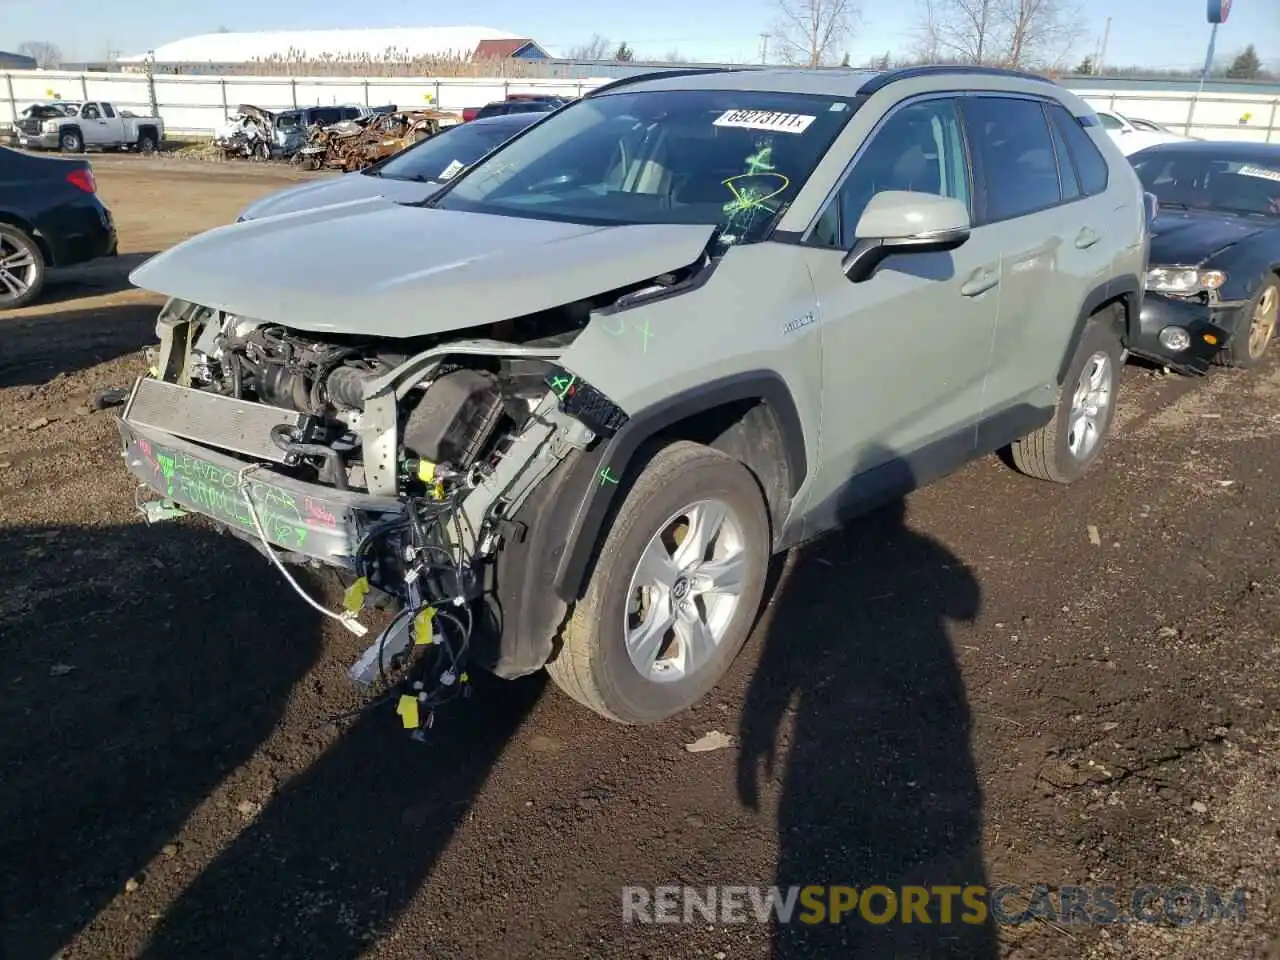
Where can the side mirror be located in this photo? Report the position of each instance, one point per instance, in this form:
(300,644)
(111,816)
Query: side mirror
(903,221)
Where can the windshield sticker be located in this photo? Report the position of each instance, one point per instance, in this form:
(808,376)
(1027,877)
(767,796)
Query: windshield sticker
(765,120)
(1265,173)
(451,171)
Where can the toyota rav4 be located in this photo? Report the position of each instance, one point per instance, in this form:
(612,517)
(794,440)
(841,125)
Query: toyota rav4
(561,413)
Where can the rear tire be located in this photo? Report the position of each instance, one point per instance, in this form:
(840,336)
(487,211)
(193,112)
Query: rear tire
(1249,346)
(695,612)
(22,268)
(147,144)
(1066,447)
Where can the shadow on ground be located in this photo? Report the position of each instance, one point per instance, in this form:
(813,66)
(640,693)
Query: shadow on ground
(95,278)
(879,785)
(34,350)
(139,667)
(328,866)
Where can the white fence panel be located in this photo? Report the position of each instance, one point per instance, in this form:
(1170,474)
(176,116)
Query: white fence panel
(199,104)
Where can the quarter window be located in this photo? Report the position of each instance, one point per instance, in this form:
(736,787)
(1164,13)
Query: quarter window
(919,148)
(1085,155)
(1012,140)
(1110,121)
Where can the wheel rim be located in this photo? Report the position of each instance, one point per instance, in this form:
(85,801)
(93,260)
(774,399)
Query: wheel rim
(1089,406)
(17,269)
(69,142)
(685,591)
(1263,327)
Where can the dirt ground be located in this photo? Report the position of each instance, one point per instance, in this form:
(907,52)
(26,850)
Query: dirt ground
(998,682)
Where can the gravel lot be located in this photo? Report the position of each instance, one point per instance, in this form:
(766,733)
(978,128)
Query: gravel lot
(999,681)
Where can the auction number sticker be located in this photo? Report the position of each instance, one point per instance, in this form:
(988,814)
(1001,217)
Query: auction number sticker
(765,120)
(1265,173)
(451,171)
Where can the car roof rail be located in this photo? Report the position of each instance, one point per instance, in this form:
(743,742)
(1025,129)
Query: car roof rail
(658,75)
(882,80)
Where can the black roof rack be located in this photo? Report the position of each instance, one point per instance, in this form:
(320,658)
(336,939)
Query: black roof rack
(658,75)
(882,80)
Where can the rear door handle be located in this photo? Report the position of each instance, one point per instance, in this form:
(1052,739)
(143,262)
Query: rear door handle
(1087,238)
(980,282)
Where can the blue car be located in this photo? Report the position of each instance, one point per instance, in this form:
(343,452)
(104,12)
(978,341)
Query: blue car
(413,174)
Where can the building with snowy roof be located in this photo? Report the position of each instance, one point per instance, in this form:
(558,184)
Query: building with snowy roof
(397,43)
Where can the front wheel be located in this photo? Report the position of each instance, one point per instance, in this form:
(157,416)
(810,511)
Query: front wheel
(1258,329)
(71,142)
(675,590)
(1068,445)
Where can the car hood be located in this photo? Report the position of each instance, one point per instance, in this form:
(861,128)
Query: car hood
(339,189)
(377,268)
(1191,237)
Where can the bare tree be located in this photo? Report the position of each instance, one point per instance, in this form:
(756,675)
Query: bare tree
(1026,34)
(45,54)
(597,48)
(1041,33)
(811,33)
(674,56)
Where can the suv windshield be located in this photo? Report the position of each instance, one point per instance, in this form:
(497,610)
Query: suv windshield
(1211,181)
(443,156)
(732,159)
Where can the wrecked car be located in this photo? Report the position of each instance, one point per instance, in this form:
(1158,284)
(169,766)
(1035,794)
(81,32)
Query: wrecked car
(411,175)
(561,413)
(357,144)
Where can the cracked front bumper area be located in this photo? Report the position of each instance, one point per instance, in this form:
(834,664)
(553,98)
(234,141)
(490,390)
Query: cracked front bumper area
(307,520)
(1208,331)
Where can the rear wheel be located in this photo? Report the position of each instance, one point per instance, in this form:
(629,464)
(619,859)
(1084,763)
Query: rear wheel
(147,143)
(675,590)
(1249,345)
(1068,445)
(22,268)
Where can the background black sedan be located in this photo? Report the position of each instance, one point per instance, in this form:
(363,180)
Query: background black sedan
(50,215)
(1215,248)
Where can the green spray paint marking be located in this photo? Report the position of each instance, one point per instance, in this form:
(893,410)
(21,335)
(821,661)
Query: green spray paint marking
(607,477)
(761,162)
(642,328)
(561,385)
(166,467)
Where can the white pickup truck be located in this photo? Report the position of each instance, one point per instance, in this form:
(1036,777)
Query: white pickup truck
(72,127)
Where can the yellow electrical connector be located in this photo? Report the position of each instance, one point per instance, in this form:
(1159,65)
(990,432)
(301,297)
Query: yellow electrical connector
(426,471)
(408,710)
(422,621)
(353,599)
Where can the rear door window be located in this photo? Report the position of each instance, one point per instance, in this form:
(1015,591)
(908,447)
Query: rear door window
(1087,159)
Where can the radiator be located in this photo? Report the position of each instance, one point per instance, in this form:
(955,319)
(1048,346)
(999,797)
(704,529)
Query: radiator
(241,426)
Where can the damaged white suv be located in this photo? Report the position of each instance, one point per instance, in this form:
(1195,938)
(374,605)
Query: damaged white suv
(561,413)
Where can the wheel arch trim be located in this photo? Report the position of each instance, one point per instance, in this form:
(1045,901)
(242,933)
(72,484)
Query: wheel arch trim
(1127,290)
(618,455)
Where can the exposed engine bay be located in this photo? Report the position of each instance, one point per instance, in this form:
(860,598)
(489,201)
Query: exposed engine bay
(396,461)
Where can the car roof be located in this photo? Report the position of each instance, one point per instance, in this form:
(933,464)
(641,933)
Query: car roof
(837,82)
(1237,149)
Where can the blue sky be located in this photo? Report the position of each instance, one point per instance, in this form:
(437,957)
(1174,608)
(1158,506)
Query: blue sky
(1148,32)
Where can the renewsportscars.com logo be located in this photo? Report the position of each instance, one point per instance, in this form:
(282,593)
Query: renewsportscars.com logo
(1180,904)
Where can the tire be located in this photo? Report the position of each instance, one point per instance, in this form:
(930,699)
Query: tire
(17,246)
(593,664)
(71,142)
(146,143)
(1066,447)
(1249,346)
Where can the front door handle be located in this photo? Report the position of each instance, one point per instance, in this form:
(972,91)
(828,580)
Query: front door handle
(1086,238)
(980,282)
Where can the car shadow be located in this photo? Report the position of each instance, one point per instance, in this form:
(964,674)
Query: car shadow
(35,349)
(879,786)
(140,666)
(326,869)
(94,278)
